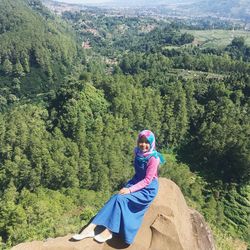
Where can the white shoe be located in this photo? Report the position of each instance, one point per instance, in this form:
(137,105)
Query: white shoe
(102,239)
(83,235)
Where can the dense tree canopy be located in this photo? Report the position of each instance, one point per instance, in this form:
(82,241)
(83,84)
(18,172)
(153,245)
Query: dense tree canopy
(69,117)
(36,47)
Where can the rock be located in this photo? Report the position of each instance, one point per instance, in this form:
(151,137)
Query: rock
(169,224)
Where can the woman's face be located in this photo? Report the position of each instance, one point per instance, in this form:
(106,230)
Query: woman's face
(143,144)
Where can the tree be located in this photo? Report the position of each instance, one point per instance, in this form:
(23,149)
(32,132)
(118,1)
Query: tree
(220,137)
(175,118)
(18,69)
(84,174)
(26,65)
(238,42)
(99,171)
(7,67)
(12,216)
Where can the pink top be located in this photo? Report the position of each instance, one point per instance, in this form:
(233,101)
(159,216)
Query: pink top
(151,173)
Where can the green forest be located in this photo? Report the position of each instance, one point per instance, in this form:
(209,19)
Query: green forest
(70,115)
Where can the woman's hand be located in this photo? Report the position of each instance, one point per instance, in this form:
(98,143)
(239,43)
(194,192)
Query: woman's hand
(124,191)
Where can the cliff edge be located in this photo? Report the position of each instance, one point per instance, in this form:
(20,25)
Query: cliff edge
(169,224)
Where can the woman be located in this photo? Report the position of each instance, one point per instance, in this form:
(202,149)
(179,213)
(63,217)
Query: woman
(124,212)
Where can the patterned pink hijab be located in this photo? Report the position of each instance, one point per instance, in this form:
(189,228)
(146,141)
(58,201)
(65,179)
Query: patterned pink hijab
(144,156)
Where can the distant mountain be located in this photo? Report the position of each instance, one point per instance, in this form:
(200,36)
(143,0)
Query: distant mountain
(239,9)
(148,3)
(225,8)
(126,3)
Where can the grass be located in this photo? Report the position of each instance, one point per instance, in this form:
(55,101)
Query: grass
(224,241)
(218,38)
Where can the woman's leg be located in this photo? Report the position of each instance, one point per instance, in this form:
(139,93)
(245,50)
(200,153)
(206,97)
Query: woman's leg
(104,236)
(89,228)
(106,233)
(109,217)
(87,232)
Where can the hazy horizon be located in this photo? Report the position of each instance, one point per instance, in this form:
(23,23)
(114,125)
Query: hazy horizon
(133,2)
(233,9)
(149,2)
(83,1)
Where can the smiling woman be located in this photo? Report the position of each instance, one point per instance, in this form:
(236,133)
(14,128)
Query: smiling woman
(143,144)
(124,212)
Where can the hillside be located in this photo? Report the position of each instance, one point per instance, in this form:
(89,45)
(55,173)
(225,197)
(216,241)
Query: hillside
(232,9)
(64,153)
(36,48)
(238,9)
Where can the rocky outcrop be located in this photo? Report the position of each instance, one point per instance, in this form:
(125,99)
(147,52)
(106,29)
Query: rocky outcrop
(169,224)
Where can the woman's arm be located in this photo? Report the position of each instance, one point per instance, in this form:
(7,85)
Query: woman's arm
(151,172)
(130,183)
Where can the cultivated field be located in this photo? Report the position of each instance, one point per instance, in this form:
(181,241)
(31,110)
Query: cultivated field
(218,38)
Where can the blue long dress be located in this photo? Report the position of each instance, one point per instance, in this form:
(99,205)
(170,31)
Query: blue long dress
(123,214)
